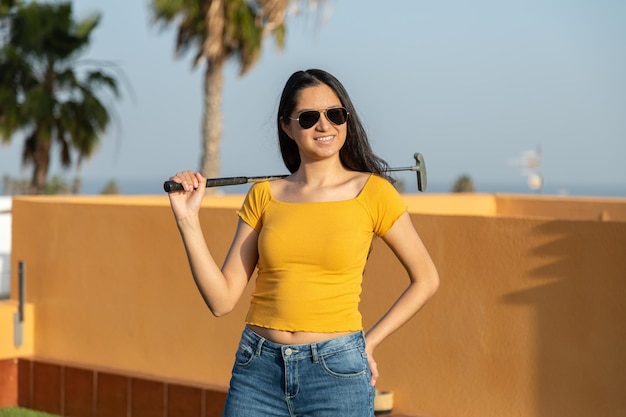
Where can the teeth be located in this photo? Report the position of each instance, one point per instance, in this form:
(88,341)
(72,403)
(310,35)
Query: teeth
(324,139)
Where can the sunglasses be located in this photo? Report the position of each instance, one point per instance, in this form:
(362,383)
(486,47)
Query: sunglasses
(308,118)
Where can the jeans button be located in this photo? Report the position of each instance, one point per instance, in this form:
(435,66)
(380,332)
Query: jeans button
(288,351)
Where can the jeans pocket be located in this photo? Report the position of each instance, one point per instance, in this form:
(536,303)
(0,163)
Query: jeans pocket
(244,356)
(348,363)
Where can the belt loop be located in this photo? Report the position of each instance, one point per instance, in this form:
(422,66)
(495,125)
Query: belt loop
(259,346)
(314,352)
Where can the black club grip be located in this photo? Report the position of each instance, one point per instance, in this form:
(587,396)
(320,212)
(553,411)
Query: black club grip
(170,186)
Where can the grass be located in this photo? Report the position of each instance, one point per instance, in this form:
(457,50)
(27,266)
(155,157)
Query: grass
(22,412)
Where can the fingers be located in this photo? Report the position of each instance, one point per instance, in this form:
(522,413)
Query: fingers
(374,370)
(188,179)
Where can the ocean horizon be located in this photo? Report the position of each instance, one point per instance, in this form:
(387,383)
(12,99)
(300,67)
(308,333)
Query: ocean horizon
(151,187)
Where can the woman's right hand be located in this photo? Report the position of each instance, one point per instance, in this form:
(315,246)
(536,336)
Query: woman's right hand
(187,202)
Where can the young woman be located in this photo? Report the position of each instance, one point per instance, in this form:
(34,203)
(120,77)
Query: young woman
(303,351)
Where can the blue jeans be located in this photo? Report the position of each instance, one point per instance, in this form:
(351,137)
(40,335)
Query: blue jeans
(324,379)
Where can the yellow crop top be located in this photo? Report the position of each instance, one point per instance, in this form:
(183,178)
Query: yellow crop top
(312,256)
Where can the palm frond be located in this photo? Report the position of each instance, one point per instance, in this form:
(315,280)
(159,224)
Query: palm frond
(44,93)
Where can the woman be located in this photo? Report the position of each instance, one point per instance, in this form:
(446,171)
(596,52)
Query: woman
(303,351)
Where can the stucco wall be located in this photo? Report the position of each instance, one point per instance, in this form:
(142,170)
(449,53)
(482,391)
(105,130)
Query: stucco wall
(528,319)
(580,208)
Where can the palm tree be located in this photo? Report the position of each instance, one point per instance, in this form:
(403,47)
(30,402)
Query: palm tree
(6,6)
(219,30)
(44,93)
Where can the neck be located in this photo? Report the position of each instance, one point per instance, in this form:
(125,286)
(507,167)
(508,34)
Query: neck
(320,172)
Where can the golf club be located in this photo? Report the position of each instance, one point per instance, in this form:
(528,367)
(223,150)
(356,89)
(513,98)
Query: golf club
(419,168)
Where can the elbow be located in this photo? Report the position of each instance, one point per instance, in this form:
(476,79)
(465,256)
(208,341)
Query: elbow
(431,285)
(220,311)
(434,285)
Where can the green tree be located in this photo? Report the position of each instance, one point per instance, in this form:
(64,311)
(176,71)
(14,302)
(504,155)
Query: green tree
(463,184)
(110,187)
(46,93)
(6,7)
(219,30)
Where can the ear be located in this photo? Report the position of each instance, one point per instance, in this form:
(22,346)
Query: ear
(286,127)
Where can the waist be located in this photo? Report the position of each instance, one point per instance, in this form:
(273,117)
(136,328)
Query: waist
(301,306)
(290,338)
(335,344)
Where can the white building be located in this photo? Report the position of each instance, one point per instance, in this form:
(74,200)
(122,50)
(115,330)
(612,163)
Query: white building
(5,246)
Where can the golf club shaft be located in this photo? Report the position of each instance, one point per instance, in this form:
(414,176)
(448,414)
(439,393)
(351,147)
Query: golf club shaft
(419,168)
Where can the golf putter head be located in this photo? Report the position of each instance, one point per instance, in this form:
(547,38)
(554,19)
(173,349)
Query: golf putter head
(420,169)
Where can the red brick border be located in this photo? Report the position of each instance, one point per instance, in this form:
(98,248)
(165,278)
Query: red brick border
(81,392)
(8,382)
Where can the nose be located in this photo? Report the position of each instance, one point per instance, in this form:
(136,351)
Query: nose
(323,123)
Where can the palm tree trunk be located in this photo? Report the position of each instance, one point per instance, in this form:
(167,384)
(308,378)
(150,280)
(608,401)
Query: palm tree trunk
(77,183)
(212,119)
(41,162)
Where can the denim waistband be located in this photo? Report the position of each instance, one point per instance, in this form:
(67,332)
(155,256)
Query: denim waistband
(260,345)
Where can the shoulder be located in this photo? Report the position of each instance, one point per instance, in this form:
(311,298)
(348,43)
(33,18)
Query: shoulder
(376,184)
(384,203)
(260,188)
(379,192)
(253,207)
(259,194)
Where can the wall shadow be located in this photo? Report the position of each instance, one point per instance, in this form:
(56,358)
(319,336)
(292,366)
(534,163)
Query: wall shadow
(581,347)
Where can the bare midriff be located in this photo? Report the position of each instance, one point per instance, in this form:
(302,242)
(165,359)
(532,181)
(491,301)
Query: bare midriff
(294,338)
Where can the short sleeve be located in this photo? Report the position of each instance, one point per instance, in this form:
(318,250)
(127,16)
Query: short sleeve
(251,211)
(385,204)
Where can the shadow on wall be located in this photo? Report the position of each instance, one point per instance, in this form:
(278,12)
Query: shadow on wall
(580,346)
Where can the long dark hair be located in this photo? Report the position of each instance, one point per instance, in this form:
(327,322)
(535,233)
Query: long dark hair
(356,154)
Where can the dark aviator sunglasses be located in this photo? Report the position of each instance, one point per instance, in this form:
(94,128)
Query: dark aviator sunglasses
(308,118)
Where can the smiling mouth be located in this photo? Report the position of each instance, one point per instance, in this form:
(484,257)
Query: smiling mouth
(324,139)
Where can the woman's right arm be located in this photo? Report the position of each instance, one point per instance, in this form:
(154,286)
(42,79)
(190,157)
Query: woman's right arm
(220,288)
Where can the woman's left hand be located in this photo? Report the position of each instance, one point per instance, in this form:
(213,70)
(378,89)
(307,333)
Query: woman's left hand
(373,366)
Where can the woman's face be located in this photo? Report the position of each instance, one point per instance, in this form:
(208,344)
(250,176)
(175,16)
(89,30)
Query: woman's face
(324,139)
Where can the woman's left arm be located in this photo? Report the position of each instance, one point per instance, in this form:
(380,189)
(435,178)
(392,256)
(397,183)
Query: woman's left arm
(406,244)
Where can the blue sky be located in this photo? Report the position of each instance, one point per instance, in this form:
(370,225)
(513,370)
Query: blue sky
(469,84)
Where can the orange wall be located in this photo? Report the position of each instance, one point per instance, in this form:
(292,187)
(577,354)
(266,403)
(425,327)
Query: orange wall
(528,319)
(582,208)
(10,333)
